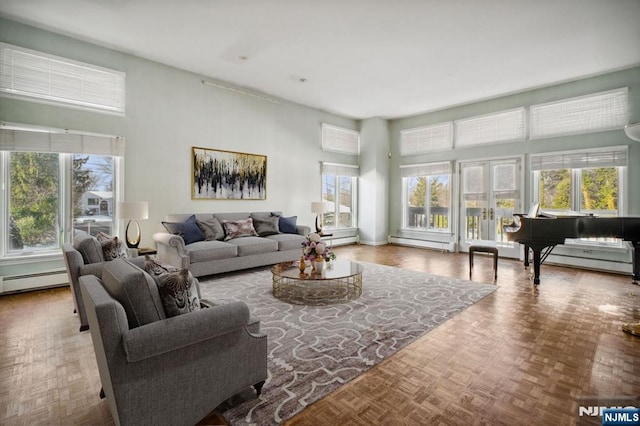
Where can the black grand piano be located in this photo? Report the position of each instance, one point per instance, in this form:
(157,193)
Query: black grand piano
(542,233)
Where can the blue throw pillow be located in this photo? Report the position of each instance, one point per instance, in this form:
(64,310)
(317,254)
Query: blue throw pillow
(188,230)
(287,225)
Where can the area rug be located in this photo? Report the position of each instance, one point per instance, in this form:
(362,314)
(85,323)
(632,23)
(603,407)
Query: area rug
(313,350)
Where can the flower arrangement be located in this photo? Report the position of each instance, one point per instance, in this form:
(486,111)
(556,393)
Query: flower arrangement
(314,248)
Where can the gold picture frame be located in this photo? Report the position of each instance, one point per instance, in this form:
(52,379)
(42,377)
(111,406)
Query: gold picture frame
(227,175)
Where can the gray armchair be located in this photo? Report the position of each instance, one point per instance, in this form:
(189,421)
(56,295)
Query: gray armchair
(84,257)
(173,371)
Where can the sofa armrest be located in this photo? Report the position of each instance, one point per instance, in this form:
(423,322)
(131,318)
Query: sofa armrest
(303,230)
(174,333)
(171,249)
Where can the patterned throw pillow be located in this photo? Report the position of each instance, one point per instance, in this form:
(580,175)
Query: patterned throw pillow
(111,247)
(239,228)
(177,287)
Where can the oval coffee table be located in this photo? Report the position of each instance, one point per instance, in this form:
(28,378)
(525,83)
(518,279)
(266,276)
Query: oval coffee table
(341,281)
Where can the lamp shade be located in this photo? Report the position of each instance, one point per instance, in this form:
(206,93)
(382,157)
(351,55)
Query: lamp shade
(133,210)
(318,207)
(633,131)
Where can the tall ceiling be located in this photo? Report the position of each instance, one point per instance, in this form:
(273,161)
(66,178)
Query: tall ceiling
(360,58)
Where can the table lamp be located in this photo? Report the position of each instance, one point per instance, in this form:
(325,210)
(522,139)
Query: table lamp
(318,207)
(134,211)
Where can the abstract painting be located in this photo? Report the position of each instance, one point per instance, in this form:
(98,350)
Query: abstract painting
(228,175)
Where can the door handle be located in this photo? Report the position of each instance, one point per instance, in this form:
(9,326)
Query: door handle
(484,214)
(491,213)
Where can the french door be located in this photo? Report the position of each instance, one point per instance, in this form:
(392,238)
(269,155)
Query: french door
(490,195)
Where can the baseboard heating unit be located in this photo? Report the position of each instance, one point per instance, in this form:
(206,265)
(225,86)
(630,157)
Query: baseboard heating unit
(45,279)
(437,245)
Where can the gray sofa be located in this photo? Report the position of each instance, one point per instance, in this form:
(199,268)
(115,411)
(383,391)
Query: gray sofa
(170,371)
(215,256)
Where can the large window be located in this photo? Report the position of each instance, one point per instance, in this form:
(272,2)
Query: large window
(49,196)
(585,182)
(427,196)
(339,191)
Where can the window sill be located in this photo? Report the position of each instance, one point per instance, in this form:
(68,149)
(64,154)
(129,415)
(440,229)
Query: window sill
(30,257)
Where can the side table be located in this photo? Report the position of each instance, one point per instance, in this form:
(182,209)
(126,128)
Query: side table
(147,251)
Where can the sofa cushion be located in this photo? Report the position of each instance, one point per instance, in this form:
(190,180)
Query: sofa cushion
(203,251)
(188,230)
(254,245)
(178,288)
(136,291)
(288,241)
(239,229)
(266,226)
(111,247)
(288,224)
(89,247)
(211,228)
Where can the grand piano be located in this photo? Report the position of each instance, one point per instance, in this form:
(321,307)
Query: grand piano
(542,233)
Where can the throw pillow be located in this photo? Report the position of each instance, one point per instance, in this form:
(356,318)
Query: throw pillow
(266,226)
(239,228)
(288,224)
(211,228)
(111,247)
(188,230)
(177,287)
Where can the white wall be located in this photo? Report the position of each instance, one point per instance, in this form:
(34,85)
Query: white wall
(373,195)
(169,111)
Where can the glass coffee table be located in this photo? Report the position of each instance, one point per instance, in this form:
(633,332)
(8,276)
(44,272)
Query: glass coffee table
(340,281)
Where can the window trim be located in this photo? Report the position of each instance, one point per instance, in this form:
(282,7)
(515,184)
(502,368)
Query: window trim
(115,146)
(418,170)
(354,194)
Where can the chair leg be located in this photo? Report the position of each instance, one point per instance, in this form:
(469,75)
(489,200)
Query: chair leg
(258,387)
(495,266)
(102,395)
(84,327)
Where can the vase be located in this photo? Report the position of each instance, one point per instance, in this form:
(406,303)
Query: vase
(302,266)
(319,265)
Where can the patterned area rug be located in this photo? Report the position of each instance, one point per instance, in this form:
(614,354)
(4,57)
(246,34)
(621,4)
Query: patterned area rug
(313,350)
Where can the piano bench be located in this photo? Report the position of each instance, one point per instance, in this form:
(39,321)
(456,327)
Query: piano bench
(484,249)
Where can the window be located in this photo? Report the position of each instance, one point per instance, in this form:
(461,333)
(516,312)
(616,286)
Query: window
(588,182)
(339,191)
(40,77)
(438,137)
(504,126)
(51,195)
(584,114)
(427,196)
(340,140)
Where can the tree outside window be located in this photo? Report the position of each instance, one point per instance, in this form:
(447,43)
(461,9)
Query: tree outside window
(36,186)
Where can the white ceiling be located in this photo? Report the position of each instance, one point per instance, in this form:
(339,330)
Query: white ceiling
(361,58)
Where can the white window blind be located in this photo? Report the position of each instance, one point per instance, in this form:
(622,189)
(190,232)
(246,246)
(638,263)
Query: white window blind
(584,114)
(502,126)
(46,78)
(611,157)
(426,169)
(340,140)
(340,169)
(438,137)
(60,141)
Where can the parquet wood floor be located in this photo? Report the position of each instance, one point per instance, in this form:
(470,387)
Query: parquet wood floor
(522,355)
